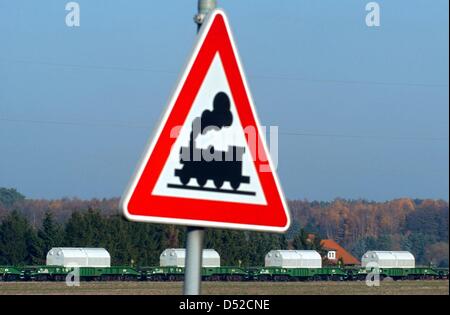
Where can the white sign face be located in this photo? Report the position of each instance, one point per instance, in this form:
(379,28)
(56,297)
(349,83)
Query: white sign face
(169,184)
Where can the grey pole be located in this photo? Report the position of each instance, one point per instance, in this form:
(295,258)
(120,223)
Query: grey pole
(204,7)
(195,235)
(194,251)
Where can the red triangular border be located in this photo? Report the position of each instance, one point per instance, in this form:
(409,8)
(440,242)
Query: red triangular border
(138,203)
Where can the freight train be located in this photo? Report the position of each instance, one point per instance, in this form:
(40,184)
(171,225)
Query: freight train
(285,267)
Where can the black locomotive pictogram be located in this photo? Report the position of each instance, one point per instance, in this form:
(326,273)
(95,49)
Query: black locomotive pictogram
(210,164)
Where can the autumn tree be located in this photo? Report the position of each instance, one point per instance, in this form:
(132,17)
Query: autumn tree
(437,254)
(307,241)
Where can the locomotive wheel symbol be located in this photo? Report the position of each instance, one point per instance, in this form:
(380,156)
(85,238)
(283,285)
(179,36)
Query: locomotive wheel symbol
(184,179)
(201,181)
(235,184)
(218,183)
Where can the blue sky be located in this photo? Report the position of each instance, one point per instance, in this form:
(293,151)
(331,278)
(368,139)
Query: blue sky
(363,112)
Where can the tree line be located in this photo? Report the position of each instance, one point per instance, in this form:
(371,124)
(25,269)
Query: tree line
(129,243)
(416,225)
(419,226)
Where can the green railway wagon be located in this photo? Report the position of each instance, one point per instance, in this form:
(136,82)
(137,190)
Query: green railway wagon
(208,273)
(46,273)
(442,273)
(418,273)
(356,273)
(162,273)
(224,274)
(9,273)
(409,273)
(330,273)
(58,273)
(292,274)
(120,273)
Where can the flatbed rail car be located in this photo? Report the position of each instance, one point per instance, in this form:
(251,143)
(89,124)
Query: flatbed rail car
(417,273)
(59,273)
(9,273)
(208,274)
(442,273)
(290,274)
(298,274)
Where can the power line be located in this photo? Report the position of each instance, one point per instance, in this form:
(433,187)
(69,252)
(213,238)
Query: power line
(76,123)
(261,76)
(353,136)
(94,67)
(353,82)
(284,133)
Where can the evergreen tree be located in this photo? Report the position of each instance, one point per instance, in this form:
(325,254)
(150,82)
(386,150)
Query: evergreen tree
(50,233)
(364,245)
(417,244)
(35,253)
(261,243)
(14,232)
(86,229)
(148,240)
(74,231)
(384,242)
(120,242)
(8,197)
(232,246)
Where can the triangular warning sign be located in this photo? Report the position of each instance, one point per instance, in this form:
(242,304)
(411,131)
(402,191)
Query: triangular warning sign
(207,164)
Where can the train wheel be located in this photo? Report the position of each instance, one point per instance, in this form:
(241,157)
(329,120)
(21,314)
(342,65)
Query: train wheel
(264,278)
(281,278)
(130,278)
(218,183)
(11,278)
(235,184)
(201,181)
(42,278)
(184,179)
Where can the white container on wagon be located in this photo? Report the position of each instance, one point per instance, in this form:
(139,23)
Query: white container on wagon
(388,259)
(293,259)
(78,256)
(175,257)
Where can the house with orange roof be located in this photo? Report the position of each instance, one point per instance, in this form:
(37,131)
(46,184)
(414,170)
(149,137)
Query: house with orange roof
(336,253)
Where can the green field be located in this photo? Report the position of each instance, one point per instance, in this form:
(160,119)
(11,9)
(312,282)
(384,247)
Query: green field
(232,288)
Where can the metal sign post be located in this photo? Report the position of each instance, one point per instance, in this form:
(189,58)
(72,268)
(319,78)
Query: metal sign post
(195,236)
(194,251)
